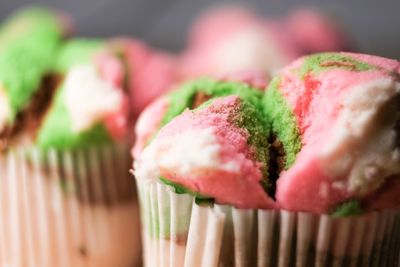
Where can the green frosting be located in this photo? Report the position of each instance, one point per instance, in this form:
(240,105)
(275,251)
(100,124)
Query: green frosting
(348,208)
(283,122)
(56,129)
(318,63)
(77,51)
(184,97)
(28,43)
(252,119)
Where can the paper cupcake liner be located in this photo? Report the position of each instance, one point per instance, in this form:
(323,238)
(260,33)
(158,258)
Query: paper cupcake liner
(70,208)
(178,232)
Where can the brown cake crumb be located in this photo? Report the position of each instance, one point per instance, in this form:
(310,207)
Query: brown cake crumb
(277,158)
(29,119)
(199,98)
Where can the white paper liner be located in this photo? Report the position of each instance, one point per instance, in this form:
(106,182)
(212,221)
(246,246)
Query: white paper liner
(211,236)
(72,209)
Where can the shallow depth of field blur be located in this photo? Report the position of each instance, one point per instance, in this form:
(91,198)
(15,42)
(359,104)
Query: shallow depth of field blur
(372,25)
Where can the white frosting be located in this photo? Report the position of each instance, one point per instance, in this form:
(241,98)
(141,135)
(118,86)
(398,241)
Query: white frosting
(189,152)
(5,110)
(369,113)
(248,50)
(89,99)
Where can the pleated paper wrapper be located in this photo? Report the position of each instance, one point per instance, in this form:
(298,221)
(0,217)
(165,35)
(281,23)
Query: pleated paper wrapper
(178,232)
(71,208)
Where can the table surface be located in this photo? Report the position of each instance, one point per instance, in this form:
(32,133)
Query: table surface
(373,25)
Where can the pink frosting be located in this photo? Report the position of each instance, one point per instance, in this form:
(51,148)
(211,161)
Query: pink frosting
(112,71)
(148,123)
(149,120)
(305,187)
(316,103)
(239,187)
(381,62)
(151,72)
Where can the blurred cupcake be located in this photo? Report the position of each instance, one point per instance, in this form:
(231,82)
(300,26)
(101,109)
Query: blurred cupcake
(141,63)
(304,175)
(66,196)
(233,39)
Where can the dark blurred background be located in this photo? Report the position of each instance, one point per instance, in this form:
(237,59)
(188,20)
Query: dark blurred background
(373,25)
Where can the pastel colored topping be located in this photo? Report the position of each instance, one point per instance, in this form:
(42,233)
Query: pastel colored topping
(191,94)
(214,149)
(90,107)
(141,63)
(77,52)
(283,122)
(89,98)
(323,139)
(28,43)
(317,63)
(340,104)
(370,105)
(58,133)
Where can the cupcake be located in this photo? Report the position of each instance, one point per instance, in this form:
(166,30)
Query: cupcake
(66,193)
(234,39)
(305,174)
(141,62)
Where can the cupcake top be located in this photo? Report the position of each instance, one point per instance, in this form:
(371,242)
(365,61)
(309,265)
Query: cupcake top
(89,106)
(336,116)
(28,44)
(217,150)
(324,139)
(189,96)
